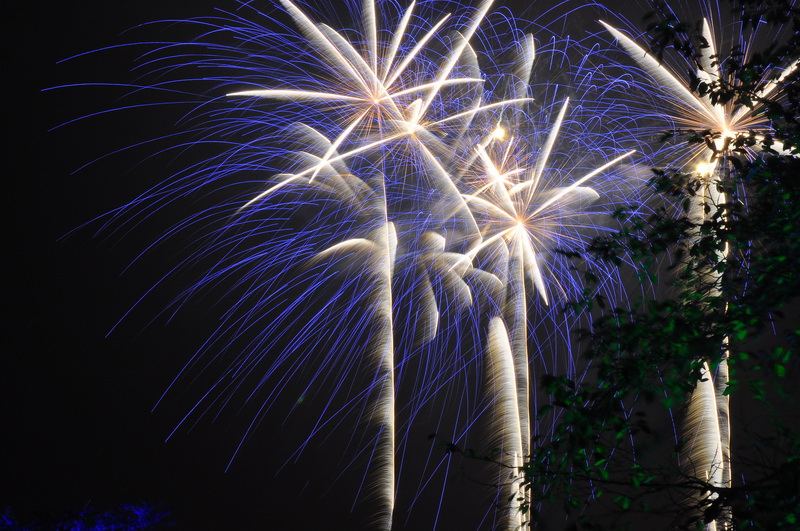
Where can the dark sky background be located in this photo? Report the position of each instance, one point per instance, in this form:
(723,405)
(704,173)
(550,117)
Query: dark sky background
(77,427)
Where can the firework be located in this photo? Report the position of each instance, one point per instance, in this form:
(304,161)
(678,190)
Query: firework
(392,196)
(528,208)
(690,111)
(707,423)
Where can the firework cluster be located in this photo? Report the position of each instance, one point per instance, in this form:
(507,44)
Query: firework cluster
(407,197)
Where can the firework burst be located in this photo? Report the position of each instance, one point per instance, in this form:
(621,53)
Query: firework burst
(724,123)
(529,209)
(681,108)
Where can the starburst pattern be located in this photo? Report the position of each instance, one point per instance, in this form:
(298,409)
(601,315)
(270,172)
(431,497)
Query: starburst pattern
(677,106)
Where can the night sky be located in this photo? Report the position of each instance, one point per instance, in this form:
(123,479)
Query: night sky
(77,426)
